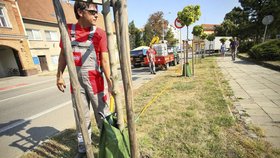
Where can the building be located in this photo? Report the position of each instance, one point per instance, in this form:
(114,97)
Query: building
(15,55)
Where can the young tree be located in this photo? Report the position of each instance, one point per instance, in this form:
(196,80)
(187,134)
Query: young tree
(223,40)
(197,31)
(203,36)
(188,16)
(210,38)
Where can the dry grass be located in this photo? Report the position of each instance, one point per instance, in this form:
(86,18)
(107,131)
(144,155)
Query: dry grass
(189,119)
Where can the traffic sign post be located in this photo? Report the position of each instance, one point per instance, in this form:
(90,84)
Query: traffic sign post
(266,21)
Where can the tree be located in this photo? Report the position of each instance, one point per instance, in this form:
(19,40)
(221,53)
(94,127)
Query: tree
(135,38)
(189,15)
(170,38)
(223,40)
(156,26)
(197,31)
(210,38)
(245,22)
(203,36)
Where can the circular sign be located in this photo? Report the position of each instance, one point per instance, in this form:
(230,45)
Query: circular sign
(178,23)
(267,19)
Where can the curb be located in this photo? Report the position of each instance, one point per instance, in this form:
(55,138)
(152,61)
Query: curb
(261,63)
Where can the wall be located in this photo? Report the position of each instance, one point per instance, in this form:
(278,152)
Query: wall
(43,47)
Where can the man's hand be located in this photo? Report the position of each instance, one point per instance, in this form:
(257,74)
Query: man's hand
(60,84)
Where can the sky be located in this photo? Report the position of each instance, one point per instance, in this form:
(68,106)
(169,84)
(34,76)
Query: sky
(212,11)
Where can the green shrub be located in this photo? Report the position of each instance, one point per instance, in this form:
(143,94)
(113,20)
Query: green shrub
(245,46)
(269,50)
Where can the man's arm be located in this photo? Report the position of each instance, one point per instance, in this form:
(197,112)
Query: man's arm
(61,67)
(105,64)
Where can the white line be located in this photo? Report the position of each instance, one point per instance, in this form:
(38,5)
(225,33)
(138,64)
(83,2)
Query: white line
(28,93)
(33,117)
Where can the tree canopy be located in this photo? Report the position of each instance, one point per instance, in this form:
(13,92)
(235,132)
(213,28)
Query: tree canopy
(189,14)
(245,22)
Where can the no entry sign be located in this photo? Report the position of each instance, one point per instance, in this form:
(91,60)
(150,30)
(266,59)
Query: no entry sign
(178,23)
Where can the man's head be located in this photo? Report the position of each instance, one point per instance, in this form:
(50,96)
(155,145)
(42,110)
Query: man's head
(86,13)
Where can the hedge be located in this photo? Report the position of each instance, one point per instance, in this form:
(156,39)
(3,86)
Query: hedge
(269,50)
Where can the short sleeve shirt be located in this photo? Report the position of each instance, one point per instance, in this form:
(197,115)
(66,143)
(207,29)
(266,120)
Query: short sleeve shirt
(99,38)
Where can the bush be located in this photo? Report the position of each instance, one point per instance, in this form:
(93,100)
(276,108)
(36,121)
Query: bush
(269,50)
(245,46)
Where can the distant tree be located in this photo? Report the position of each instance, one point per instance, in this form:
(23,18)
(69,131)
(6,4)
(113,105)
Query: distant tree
(132,34)
(197,31)
(170,38)
(211,38)
(155,26)
(203,36)
(223,40)
(245,22)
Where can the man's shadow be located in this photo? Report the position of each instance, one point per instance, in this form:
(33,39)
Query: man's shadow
(25,139)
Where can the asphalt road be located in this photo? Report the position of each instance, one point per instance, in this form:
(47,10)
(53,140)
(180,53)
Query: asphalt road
(30,114)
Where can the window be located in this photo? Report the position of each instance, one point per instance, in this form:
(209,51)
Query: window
(55,59)
(51,36)
(4,22)
(33,34)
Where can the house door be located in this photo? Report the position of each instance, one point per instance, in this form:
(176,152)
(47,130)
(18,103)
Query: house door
(43,63)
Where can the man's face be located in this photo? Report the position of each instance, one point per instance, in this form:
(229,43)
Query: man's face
(90,15)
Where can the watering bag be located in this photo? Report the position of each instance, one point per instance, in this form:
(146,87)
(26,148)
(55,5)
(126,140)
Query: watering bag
(113,142)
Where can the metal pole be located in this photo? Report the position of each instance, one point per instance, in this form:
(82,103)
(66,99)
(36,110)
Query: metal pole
(264,33)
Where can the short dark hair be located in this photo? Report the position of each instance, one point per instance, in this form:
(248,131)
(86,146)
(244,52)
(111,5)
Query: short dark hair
(81,5)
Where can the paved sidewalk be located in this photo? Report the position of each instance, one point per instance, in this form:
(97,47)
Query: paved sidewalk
(258,92)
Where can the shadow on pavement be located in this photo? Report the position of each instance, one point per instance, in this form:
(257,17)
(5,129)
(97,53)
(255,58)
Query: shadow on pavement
(26,139)
(243,62)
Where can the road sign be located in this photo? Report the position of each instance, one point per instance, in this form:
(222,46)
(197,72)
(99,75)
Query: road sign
(267,19)
(178,24)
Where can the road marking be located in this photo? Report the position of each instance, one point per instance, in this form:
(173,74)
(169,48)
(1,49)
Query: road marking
(33,117)
(13,87)
(28,93)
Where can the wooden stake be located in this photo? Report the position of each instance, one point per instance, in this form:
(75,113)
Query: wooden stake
(113,62)
(73,75)
(126,76)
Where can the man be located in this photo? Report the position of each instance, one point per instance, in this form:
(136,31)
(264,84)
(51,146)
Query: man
(151,53)
(233,46)
(89,44)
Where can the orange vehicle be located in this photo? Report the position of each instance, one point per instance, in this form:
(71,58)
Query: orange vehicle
(163,59)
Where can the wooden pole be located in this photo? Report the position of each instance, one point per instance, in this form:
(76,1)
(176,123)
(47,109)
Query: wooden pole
(73,75)
(126,76)
(192,61)
(113,62)
(116,9)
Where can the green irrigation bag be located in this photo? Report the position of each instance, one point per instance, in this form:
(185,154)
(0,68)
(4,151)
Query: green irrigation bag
(113,142)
